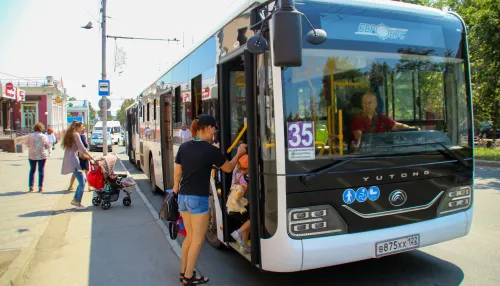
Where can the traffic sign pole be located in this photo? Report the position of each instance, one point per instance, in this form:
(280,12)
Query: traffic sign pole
(104,102)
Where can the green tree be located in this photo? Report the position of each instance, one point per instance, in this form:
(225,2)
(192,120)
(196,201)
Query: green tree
(72,98)
(120,114)
(92,111)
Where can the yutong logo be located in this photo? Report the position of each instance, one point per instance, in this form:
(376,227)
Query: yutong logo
(381,31)
(401,175)
(398,198)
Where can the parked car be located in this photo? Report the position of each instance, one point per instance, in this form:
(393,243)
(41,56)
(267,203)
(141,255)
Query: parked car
(96,142)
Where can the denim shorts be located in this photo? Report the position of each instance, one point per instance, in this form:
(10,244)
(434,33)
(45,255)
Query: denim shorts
(193,204)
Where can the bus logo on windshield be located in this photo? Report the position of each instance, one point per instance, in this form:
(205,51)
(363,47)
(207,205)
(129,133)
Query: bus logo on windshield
(382,31)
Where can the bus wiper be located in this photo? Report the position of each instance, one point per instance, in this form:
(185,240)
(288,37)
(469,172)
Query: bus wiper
(447,150)
(306,179)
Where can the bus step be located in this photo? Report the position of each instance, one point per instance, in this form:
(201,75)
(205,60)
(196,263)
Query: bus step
(236,246)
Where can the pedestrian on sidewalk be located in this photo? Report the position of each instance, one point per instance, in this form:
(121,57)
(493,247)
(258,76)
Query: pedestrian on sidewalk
(84,163)
(72,144)
(193,165)
(37,144)
(52,139)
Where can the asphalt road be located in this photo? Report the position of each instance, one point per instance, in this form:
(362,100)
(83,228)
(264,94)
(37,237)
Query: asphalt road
(472,260)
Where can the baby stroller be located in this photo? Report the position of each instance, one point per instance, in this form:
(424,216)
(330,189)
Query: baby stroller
(107,184)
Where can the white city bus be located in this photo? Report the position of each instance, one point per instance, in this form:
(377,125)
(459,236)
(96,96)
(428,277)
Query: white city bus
(316,199)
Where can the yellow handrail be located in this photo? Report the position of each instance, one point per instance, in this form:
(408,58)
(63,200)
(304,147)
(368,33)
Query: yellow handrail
(237,139)
(322,144)
(270,145)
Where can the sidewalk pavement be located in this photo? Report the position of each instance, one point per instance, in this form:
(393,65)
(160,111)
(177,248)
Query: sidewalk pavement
(44,241)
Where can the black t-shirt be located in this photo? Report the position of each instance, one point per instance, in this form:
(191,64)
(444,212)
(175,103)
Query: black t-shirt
(197,159)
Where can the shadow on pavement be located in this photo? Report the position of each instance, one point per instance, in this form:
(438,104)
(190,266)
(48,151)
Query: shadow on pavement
(488,178)
(11,194)
(52,213)
(128,248)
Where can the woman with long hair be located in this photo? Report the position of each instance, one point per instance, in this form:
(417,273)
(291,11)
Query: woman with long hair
(84,163)
(38,145)
(193,165)
(72,144)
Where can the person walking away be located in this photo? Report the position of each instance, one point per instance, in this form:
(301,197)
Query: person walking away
(193,165)
(52,139)
(241,234)
(185,134)
(84,163)
(72,144)
(37,144)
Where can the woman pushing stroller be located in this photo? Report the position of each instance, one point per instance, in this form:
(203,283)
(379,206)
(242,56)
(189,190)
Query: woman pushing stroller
(73,144)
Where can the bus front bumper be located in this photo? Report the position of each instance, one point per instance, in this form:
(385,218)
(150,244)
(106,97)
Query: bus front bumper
(334,250)
(281,253)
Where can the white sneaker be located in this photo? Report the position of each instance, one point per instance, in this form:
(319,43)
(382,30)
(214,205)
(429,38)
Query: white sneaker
(81,207)
(237,236)
(74,203)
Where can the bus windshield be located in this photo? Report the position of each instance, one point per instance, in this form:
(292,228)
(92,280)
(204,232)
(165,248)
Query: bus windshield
(381,84)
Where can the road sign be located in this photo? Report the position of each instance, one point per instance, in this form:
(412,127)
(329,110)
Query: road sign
(108,103)
(103,87)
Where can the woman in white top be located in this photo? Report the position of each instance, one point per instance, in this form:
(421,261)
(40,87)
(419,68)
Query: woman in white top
(185,134)
(52,139)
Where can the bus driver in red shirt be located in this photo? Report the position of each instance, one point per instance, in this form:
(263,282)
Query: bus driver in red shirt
(368,121)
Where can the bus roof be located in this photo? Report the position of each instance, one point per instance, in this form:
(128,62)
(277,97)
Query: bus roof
(131,106)
(246,4)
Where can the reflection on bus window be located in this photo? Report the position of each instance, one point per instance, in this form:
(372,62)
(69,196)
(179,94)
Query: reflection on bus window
(424,91)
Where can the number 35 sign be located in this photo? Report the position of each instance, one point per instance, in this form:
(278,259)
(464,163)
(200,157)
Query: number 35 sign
(301,141)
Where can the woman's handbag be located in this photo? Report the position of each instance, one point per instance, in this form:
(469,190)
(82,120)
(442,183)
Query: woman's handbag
(170,208)
(95,177)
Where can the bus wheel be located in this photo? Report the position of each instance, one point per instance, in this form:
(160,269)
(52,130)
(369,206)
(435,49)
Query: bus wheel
(211,233)
(152,178)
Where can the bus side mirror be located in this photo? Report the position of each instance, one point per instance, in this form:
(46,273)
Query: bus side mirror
(287,43)
(287,33)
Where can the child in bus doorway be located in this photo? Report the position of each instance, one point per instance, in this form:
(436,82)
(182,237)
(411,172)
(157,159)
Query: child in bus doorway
(241,234)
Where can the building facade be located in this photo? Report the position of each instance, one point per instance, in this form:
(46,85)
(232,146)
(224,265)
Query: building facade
(34,100)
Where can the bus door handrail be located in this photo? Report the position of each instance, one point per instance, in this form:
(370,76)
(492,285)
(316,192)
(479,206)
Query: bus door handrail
(237,139)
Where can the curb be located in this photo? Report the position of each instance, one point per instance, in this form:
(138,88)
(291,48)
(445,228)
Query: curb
(176,248)
(485,163)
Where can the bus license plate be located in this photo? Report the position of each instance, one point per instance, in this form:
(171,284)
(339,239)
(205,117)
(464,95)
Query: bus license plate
(397,245)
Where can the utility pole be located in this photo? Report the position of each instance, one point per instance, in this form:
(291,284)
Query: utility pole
(104,104)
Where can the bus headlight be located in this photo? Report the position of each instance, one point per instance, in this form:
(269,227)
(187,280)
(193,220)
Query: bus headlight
(456,199)
(314,221)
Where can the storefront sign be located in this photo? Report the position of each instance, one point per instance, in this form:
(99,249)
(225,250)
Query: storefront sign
(10,91)
(20,95)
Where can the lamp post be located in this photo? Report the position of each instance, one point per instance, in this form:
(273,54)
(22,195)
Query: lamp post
(104,101)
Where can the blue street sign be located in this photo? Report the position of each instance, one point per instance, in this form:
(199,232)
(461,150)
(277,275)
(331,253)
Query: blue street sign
(103,87)
(373,193)
(75,118)
(361,194)
(349,196)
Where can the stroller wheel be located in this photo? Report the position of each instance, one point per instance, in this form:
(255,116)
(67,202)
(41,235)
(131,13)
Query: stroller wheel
(106,205)
(96,201)
(127,201)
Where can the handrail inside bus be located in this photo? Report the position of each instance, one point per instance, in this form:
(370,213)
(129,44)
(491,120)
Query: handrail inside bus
(237,138)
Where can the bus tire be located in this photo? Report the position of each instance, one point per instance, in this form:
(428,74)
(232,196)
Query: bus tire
(152,178)
(211,233)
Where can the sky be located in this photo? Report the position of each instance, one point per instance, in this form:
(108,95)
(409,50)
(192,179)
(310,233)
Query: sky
(40,38)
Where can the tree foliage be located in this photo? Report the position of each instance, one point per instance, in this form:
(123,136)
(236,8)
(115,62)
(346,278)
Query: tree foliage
(120,114)
(482,18)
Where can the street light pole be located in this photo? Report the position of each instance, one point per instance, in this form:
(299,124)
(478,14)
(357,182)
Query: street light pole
(104,104)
